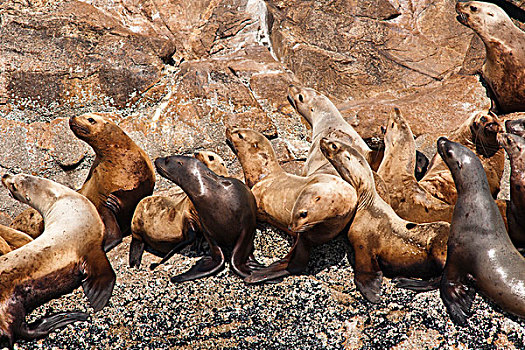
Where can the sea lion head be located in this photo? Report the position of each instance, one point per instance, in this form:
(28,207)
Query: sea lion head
(34,191)
(348,162)
(213,161)
(482,17)
(254,151)
(465,166)
(516,127)
(309,103)
(97,130)
(397,128)
(187,172)
(484,128)
(514,146)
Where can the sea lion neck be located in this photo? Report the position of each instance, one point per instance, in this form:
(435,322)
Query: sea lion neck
(106,146)
(257,167)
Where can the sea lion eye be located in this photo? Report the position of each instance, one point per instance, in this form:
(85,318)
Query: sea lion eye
(483,119)
(240,136)
(303,214)
(91,120)
(255,145)
(301,98)
(211,158)
(334,147)
(473,8)
(490,14)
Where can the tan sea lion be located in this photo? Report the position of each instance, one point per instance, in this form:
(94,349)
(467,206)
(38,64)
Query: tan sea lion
(478,133)
(121,175)
(480,255)
(68,254)
(504,67)
(11,239)
(383,242)
(326,200)
(226,211)
(161,223)
(408,199)
(324,117)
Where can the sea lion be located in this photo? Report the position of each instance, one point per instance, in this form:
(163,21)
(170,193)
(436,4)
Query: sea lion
(383,242)
(422,163)
(516,127)
(324,117)
(11,239)
(162,222)
(68,254)
(407,197)
(480,254)
(120,176)
(479,134)
(226,211)
(515,209)
(504,67)
(326,201)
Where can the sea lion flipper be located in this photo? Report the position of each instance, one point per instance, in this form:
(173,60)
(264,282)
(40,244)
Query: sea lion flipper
(416,284)
(368,277)
(42,327)
(4,247)
(191,237)
(100,279)
(112,234)
(136,249)
(206,266)
(457,298)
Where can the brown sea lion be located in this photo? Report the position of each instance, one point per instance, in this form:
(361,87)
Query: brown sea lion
(515,209)
(516,127)
(68,254)
(324,117)
(226,210)
(11,239)
(383,242)
(479,134)
(480,255)
(327,201)
(119,178)
(407,197)
(504,67)
(161,222)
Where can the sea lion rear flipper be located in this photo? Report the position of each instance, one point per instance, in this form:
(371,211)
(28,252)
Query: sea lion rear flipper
(112,233)
(417,285)
(42,327)
(100,279)
(457,297)
(191,237)
(136,249)
(368,276)
(206,266)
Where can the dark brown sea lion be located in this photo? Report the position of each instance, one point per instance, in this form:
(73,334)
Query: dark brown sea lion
(504,67)
(119,178)
(11,239)
(324,117)
(67,255)
(515,147)
(407,197)
(162,222)
(480,254)
(226,210)
(479,134)
(383,242)
(313,209)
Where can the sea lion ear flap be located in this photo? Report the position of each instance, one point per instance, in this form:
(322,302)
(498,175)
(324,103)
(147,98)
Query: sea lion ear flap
(99,278)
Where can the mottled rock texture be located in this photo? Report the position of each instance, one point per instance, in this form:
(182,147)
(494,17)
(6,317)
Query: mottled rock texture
(174,74)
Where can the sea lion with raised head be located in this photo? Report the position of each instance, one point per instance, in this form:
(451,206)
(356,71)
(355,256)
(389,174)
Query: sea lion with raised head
(226,210)
(504,67)
(164,222)
(68,254)
(326,201)
(120,176)
(383,243)
(407,197)
(480,255)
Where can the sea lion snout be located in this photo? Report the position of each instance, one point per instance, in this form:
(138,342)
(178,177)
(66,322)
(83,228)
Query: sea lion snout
(516,127)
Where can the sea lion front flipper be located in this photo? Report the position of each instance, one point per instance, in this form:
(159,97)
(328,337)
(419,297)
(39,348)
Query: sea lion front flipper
(368,276)
(136,249)
(457,297)
(100,278)
(112,233)
(14,238)
(4,247)
(417,285)
(42,327)
(206,266)
(191,237)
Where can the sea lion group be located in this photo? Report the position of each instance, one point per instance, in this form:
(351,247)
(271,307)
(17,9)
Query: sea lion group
(429,226)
